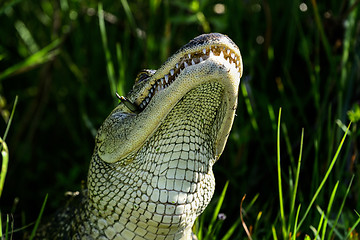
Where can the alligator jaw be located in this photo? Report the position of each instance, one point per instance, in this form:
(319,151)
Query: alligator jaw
(185,58)
(205,59)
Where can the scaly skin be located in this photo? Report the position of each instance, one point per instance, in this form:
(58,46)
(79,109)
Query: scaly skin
(151,174)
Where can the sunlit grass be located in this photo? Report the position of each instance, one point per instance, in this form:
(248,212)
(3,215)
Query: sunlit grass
(4,169)
(291,223)
(67,60)
(287,225)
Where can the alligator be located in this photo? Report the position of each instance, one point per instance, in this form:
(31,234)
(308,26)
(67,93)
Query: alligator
(151,175)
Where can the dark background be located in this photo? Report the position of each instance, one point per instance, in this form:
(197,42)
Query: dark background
(53,58)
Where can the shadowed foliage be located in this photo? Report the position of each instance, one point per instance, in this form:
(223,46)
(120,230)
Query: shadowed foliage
(66,59)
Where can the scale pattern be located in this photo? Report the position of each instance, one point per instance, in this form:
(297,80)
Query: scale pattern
(168,183)
(151,174)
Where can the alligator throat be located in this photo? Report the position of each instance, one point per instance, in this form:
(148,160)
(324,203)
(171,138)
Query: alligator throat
(151,175)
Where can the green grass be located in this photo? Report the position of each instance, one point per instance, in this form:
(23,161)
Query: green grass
(66,59)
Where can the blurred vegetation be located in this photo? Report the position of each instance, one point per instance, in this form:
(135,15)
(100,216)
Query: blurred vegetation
(65,59)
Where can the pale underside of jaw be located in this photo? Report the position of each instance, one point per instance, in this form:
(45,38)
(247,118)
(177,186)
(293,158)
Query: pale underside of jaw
(188,60)
(183,73)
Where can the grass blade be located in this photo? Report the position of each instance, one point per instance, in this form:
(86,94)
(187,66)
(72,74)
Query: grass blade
(121,70)
(332,197)
(341,208)
(252,202)
(10,119)
(40,57)
(317,232)
(242,220)
(293,198)
(6,228)
(216,211)
(38,219)
(354,226)
(109,64)
(321,30)
(329,222)
(325,177)
(274,232)
(296,220)
(288,147)
(231,230)
(249,107)
(129,15)
(4,165)
(282,214)
(198,227)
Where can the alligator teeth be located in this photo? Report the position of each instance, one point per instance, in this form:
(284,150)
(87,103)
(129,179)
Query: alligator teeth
(221,54)
(201,56)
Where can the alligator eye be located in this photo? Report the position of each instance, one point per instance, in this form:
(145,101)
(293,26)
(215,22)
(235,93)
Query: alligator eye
(144,75)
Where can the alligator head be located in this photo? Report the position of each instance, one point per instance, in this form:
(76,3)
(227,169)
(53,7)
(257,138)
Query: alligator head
(151,171)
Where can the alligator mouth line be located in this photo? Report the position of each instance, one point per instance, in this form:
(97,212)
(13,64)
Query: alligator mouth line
(187,60)
(211,58)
